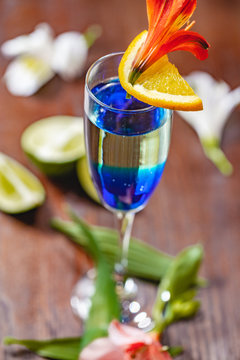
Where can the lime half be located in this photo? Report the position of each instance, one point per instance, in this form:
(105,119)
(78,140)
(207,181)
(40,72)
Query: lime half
(20,190)
(85,179)
(54,144)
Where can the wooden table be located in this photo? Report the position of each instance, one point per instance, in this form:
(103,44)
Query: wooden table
(194,202)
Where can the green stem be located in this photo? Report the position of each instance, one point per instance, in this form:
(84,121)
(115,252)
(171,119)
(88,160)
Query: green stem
(92,33)
(211,147)
(59,349)
(133,76)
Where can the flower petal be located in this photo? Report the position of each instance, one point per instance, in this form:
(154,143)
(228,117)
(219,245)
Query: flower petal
(70,52)
(125,343)
(151,352)
(158,12)
(188,41)
(166,18)
(101,349)
(209,123)
(39,43)
(155,352)
(26,75)
(124,335)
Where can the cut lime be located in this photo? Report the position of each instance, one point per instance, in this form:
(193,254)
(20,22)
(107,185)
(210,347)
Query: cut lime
(54,144)
(20,190)
(85,179)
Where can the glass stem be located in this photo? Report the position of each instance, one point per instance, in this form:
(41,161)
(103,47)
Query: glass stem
(124,226)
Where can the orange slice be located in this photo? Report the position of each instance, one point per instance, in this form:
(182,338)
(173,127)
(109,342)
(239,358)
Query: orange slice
(160,85)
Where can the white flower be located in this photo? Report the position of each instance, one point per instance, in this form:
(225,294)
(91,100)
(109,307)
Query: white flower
(39,43)
(69,55)
(39,57)
(26,75)
(218,102)
(31,69)
(70,51)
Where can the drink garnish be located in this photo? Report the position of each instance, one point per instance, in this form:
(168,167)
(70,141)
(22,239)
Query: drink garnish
(20,190)
(145,71)
(54,144)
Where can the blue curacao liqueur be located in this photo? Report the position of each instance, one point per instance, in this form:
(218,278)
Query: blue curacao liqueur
(128,144)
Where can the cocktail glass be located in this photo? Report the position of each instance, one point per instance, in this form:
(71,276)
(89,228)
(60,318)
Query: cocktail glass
(127,145)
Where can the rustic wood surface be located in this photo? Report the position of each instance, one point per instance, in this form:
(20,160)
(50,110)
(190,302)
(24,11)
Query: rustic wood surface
(193,203)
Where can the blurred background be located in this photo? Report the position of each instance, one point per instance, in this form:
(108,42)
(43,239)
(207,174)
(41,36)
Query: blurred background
(193,203)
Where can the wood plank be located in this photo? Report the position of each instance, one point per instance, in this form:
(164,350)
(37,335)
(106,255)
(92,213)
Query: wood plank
(193,203)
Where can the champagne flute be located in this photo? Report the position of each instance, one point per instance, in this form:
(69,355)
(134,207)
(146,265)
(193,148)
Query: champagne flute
(127,145)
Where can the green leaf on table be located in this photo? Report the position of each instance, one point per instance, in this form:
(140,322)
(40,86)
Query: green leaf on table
(104,303)
(175,350)
(60,349)
(104,308)
(92,244)
(176,292)
(144,260)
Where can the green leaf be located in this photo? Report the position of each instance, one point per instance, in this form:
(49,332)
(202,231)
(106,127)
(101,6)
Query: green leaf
(175,293)
(177,310)
(144,260)
(105,304)
(183,272)
(91,241)
(175,350)
(184,309)
(104,308)
(59,349)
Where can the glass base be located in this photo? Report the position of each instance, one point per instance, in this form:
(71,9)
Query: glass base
(136,297)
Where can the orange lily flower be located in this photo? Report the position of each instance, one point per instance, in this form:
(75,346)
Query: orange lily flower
(165,19)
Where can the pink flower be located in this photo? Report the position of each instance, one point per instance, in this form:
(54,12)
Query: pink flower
(125,343)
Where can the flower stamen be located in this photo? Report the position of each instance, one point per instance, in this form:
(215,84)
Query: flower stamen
(165,34)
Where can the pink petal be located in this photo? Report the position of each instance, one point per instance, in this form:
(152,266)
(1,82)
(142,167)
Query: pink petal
(156,353)
(101,349)
(123,335)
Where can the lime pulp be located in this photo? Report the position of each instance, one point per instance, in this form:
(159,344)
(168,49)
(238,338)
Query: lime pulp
(54,144)
(20,190)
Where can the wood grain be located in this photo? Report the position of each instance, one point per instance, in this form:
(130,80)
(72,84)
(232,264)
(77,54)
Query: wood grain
(194,203)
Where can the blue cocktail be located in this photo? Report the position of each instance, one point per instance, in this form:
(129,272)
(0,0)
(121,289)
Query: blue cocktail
(127,144)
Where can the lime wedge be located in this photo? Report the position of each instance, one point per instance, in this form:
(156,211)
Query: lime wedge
(85,179)
(54,144)
(20,190)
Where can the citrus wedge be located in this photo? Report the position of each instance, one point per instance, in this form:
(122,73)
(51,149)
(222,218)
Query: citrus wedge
(160,85)
(20,190)
(54,144)
(85,179)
